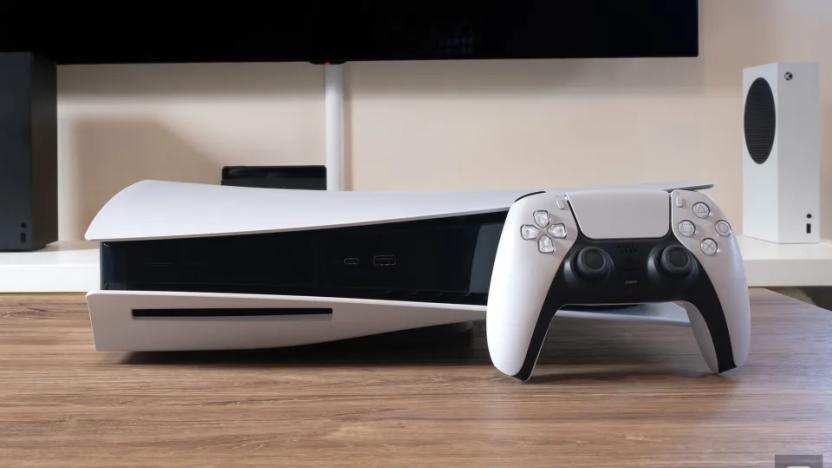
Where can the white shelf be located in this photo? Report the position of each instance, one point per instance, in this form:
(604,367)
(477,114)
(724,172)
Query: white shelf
(60,267)
(770,264)
(74,266)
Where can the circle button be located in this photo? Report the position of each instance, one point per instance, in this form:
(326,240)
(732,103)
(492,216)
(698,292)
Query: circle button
(723,228)
(709,246)
(701,210)
(687,228)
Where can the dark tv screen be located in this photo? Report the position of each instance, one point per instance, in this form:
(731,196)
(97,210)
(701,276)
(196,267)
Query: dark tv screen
(319,31)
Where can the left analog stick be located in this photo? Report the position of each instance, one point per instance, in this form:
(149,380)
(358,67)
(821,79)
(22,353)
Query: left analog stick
(593,263)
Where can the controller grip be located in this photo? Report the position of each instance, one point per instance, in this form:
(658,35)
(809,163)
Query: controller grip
(517,319)
(515,304)
(703,336)
(722,336)
(719,308)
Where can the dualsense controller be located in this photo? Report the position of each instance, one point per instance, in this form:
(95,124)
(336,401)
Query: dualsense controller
(616,247)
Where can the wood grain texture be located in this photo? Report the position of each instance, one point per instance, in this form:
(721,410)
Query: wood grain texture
(604,395)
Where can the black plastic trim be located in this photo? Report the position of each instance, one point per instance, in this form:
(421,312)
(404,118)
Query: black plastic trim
(229,312)
(636,278)
(529,195)
(440,260)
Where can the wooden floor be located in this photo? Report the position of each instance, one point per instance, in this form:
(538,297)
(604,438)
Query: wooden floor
(604,395)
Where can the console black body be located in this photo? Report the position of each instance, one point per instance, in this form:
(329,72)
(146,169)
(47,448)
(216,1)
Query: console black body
(443,260)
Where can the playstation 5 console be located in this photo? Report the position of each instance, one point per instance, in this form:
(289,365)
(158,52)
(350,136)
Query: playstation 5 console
(191,266)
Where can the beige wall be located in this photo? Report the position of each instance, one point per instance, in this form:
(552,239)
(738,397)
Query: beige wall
(444,125)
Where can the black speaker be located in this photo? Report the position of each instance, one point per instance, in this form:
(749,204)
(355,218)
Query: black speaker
(28,152)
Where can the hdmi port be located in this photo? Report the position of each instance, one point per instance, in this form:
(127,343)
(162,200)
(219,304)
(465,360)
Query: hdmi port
(384,260)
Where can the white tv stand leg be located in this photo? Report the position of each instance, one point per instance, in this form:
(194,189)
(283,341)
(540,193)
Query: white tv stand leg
(334,126)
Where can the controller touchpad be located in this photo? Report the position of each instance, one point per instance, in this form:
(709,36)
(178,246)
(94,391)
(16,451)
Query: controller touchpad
(632,214)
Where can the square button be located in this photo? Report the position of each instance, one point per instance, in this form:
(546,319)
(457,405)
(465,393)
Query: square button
(686,228)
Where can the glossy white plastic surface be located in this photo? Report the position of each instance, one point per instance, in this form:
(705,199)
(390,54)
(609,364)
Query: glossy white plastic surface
(115,329)
(727,274)
(641,214)
(521,279)
(155,209)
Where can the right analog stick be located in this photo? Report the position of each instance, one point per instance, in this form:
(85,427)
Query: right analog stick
(676,261)
(593,263)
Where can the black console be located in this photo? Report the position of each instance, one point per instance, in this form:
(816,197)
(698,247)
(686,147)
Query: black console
(446,260)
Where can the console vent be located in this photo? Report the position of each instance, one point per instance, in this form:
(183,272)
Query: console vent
(759,120)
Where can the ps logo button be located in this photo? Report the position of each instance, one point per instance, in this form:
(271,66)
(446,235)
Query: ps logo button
(541,218)
(709,246)
(687,228)
(723,228)
(558,231)
(701,210)
(545,245)
(529,232)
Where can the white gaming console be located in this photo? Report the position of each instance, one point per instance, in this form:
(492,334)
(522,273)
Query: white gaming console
(198,267)
(781,162)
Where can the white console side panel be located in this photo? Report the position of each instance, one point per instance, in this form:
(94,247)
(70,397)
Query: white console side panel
(155,209)
(115,328)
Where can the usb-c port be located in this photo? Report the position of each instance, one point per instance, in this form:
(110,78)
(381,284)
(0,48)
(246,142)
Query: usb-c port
(384,260)
(352,261)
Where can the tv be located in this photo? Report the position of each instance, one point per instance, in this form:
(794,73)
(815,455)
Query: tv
(353,30)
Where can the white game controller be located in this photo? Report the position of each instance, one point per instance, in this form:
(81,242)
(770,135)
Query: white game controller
(616,247)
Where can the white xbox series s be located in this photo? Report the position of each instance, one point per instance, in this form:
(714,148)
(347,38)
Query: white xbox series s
(200,267)
(781,152)
(616,247)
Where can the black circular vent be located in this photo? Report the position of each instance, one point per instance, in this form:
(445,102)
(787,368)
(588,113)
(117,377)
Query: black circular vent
(759,120)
